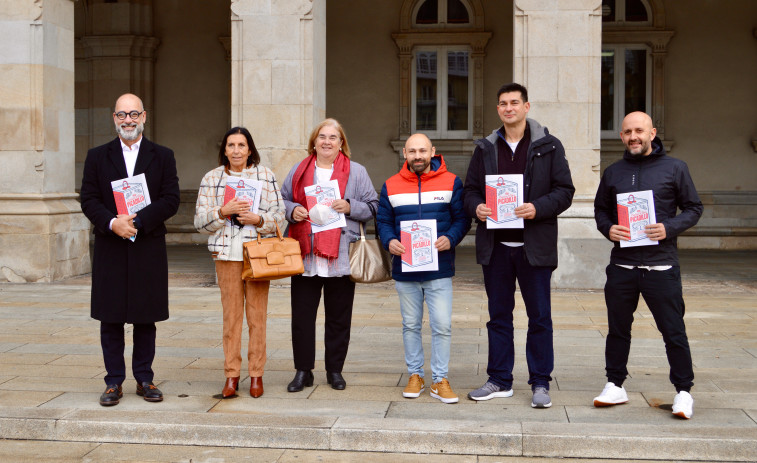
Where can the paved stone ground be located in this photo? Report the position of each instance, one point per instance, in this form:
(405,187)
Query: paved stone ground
(51,376)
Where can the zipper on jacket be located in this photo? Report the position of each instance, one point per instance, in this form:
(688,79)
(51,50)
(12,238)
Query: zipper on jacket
(419,196)
(642,253)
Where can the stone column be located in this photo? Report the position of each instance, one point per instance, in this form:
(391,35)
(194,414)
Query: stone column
(278,75)
(557,56)
(43,233)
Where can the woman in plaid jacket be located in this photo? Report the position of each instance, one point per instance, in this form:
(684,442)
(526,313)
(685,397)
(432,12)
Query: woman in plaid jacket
(225,222)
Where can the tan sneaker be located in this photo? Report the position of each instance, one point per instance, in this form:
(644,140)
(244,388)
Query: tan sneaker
(415,386)
(443,391)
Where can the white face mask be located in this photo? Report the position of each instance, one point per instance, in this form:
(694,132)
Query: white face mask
(321,214)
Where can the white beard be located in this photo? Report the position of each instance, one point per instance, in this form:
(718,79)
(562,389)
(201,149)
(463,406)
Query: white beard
(134,134)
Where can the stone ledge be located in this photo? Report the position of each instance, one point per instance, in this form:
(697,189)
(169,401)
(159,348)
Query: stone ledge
(579,440)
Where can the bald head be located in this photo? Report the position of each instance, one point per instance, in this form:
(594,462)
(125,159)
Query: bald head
(418,152)
(130,101)
(637,133)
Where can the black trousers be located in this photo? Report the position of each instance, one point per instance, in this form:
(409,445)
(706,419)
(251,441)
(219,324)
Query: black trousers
(663,294)
(338,296)
(112,342)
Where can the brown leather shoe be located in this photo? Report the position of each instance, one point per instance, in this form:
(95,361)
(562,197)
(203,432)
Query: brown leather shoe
(256,386)
(149,392)
(111,396)
(230,388)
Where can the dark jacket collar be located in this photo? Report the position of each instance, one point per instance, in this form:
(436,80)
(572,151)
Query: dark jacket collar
(658,151)
(144,157)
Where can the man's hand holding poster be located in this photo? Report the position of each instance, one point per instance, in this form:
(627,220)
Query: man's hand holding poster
(636,211)
(131,195)
(418,238)
(503,194)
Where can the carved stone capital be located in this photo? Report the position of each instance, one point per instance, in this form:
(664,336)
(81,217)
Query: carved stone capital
(656,39)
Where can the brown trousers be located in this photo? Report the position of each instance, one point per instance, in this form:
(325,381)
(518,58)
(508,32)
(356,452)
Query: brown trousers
(237,297)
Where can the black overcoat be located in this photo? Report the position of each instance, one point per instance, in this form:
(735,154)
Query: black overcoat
(130,279)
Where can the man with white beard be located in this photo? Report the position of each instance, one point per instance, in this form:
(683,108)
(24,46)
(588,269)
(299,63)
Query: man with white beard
(130,266)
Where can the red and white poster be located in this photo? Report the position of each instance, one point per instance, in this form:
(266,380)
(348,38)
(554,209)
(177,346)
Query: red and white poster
(636,211)
(418,238)
(319,199)
(131,195)
(244,189)
(503,194)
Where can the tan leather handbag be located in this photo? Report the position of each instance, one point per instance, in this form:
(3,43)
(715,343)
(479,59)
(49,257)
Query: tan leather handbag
(369,261)
(271,258)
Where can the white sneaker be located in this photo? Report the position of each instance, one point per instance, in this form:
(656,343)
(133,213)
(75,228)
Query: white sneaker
(683,405)
(611,395)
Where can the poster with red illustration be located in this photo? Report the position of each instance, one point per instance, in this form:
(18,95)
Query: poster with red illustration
(503,194)
(418,238)
(319,199)
(131,195)
(636,211)
(244,189)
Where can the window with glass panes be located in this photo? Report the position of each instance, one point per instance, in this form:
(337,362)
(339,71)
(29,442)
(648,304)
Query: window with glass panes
(441,89)
(442,92)
(626,68)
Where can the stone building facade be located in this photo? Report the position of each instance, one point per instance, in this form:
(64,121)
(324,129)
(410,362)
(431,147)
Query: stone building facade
(385,70)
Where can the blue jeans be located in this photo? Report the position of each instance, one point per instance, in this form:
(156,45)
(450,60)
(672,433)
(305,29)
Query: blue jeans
(438,296)
(505,265)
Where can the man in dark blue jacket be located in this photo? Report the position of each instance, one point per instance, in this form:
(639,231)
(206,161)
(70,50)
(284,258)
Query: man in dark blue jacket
(652,270)
(521,146)
(424,190)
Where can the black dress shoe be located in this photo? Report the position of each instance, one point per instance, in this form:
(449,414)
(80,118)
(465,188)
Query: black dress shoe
(301,379)
(336,380)
(149,392)
(111,395)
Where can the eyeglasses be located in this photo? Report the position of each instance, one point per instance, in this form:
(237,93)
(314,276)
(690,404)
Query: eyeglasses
(121,115)
(331,138)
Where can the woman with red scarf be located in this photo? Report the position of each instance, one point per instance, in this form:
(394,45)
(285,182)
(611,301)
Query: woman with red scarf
(326,253)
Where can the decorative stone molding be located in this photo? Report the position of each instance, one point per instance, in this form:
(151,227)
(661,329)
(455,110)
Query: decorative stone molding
(406,16)
(226,42)
(120,46)
(37,8)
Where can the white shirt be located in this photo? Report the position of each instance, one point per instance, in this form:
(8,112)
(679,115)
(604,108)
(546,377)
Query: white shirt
(657,268)
(130,158)
(513,147)
(321,264)
(130,155)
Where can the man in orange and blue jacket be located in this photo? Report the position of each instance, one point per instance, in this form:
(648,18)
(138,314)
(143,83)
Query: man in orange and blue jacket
(424,190)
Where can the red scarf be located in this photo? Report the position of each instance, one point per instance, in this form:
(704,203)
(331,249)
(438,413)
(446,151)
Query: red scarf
(326,243)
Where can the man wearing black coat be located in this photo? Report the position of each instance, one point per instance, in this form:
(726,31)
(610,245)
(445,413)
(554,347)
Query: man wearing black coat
(520,146)
(651,270)
(129,278)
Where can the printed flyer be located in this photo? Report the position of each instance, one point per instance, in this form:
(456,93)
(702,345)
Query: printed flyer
(636,211)
(244,189)
(131,195)
(503,194)
(418,238)
(319,198)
